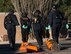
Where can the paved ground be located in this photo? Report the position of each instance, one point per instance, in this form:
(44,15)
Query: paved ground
(65,48)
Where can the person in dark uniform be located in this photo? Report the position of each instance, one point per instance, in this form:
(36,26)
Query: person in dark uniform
(55,19)
(25,27)
(10,23)
(45,24)
(65,26)
(37,28)
(44,21)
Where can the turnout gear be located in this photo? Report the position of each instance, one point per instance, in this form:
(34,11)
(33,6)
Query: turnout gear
(10,23)
(55,21)
(55,18)
(64,27)
(25,28)
(37,27)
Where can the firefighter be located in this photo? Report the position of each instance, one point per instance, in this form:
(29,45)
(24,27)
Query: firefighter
(45,23)
(10,23)
(25,27)
(25,30)
(55,19)
(37,28)
(64,29)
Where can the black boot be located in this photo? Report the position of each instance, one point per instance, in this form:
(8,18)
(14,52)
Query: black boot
(40,49)
(12,47)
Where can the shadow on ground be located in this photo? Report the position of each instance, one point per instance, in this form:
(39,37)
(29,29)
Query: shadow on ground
(5,49)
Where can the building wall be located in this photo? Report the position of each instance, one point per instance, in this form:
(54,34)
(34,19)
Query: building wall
(2,29)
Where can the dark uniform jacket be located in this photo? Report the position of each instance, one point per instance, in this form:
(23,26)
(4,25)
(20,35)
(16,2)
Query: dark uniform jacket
(55,19)
(10,21)
(26,22)
(38,24)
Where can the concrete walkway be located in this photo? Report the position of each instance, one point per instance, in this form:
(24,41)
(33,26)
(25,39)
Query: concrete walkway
(65,48)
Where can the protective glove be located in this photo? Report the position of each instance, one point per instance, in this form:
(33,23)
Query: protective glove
(47,28)
(25,27)
(18,26)
(67,26)
(30,29)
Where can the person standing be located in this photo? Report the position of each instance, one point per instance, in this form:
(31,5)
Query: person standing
(10,23)
(37,28)
(55,18)
(25,27)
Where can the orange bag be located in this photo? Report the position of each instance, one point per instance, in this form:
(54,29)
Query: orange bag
(23,47)
(49,44)
(32,47)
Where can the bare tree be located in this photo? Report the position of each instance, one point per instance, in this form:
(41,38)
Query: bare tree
(30,6)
